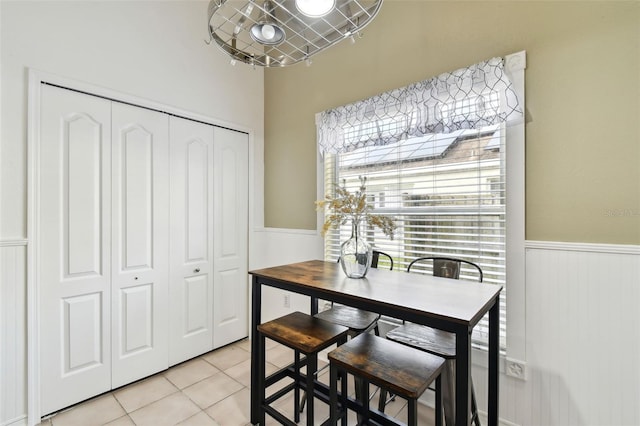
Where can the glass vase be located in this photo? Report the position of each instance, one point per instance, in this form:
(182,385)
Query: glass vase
(355,254)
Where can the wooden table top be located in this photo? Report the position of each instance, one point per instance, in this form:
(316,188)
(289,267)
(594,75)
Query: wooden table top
(454,301)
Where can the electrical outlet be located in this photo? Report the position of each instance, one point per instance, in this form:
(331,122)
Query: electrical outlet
(287,301)
(516,368)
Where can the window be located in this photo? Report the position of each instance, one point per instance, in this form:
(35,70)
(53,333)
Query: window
(437,166)
(446,193)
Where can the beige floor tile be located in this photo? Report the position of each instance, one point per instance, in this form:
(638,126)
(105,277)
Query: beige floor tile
(122,421)
(190,372)
(280,356)
(200,419)
(212,390)
(244,344)
(142,393)
(242,372)
(233,410)
(270,344)
(226,357)
(286,407)
(170,410)
(97,411)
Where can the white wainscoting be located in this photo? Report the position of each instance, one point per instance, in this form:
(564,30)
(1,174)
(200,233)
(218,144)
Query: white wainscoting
(13,333)
(582,330)
(274,246)
(582,327)
(582,338)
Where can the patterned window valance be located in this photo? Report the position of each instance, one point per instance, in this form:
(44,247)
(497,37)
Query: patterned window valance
(469,98)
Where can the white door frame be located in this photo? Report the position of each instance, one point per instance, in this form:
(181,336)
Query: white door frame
(36,79)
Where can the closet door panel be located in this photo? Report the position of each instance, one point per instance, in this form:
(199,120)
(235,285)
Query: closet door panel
(73,214)
(230,236)
(140,242)
(191,283)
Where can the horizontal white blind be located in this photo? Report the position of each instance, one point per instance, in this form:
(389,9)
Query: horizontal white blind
(446,193)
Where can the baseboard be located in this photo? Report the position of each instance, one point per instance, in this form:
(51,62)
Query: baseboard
(13,243)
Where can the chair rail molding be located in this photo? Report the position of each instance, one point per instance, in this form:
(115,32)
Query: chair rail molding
(13,243)
(584,247)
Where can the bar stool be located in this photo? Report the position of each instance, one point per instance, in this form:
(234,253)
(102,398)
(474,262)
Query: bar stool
(304,334)
(438,342)
(405,371)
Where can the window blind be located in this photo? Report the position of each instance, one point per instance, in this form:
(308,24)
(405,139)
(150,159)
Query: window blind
(446,193)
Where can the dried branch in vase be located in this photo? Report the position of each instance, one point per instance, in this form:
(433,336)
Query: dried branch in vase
(353,207)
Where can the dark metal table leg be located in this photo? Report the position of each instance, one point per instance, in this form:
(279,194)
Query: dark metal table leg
(463,374)
(256,351)
(494,349)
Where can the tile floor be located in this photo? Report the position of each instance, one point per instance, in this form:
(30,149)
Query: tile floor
(212,389)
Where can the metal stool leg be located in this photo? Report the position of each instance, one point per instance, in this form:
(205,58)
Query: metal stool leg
(261,377)
(296,389)
(449,393)
(474,407)
(439,400)
(412,412)
(333,395)
(312,365)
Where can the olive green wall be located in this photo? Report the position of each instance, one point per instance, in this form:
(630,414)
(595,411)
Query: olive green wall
(582,104)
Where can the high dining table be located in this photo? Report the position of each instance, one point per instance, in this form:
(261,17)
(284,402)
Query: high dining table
(451,305)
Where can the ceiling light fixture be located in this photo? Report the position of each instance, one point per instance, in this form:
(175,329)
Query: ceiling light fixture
(315,8)
(267,31)
(277,33)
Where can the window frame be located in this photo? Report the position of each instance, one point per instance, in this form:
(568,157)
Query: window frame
(515,355)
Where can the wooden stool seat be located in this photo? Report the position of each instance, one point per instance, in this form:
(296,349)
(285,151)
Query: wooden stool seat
(432,340)
(357,320)
(405,371)
(304,334)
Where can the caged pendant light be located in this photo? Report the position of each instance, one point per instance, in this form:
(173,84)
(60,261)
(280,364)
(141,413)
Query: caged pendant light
(277,33)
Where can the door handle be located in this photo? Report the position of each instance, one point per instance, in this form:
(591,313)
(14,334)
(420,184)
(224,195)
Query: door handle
(196,270)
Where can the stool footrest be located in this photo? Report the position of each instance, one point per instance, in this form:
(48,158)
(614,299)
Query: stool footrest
(288,371)
(279,394)
(278,416)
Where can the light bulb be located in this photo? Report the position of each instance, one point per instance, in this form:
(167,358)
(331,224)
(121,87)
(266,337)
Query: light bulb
(315,8)
(268,32)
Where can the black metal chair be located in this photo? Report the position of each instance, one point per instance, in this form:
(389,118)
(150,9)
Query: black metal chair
(356,320)
(436,341)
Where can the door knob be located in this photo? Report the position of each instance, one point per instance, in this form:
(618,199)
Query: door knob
(196,270)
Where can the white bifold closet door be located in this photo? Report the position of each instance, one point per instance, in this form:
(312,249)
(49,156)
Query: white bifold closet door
(74,272)
(103,245)
(230,242)
(139,243)
(191,251)
(209,238)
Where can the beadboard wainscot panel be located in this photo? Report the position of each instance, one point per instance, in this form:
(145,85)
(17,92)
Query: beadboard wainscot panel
(278,246)
(13,333)
(583,338)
